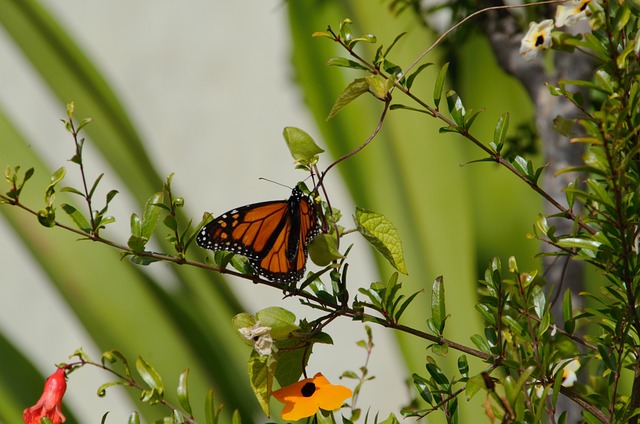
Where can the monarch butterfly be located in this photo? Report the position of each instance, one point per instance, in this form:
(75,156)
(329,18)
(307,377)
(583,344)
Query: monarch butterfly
(272,235)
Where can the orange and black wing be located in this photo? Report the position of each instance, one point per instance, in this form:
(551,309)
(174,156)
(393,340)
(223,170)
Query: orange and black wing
(272,235)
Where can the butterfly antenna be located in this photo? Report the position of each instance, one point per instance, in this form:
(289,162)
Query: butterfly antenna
(275,182)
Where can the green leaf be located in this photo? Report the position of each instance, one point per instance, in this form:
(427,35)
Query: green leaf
(437,374)
(607,357)
(604,81)
(438,87)
(470,117)
(500,133)
(481,343)
(404,305)
(261,372)
(102,390)
(539,300)
(149,375)
(456,108)
(176,417)
(136,225)
(522,165)
(109,197)
(563,125)
(589,418)
(211,413)
(103,420)
(301,145)
(440,349)
(599,193)
(395,40)
(183,391)
(382,235)
(512,323)
(474,385)
(390,290)
(134,418)
(243,320)
(137,244)
(405,107)
(280,320)
(415,73)
(77,217)
(170,222)
(322,34)
(72,190)
(95,185)
(345,32)
(463,365)
(579,243)
(57,176)
(567,310)
(438,307)
(422,385)
(391,419)
(324,249)
(486,313)
(352,92)
(151,214)
(112,356)
(290,363)
(346,63)
(544,325)
(513,389)
(379,87)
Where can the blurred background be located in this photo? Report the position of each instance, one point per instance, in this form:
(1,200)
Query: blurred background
(204,90)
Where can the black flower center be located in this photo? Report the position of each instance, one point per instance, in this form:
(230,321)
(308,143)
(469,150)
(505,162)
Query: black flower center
(308,389)
(539,40)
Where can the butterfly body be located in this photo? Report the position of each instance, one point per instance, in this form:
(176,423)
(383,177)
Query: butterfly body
(272,235)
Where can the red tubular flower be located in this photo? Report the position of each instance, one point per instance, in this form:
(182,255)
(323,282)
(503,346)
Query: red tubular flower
(50,402)
(304,398)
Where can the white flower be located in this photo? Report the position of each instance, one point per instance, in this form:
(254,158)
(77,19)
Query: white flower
(537,39)
(569,368)
(260,337)
(569,372)
(538,390)
(571,12)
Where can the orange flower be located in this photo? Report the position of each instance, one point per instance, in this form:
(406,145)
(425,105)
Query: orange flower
(50,402)
(304,398)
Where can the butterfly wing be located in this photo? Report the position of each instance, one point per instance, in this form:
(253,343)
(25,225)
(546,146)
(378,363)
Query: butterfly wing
(285,261)
(272,235)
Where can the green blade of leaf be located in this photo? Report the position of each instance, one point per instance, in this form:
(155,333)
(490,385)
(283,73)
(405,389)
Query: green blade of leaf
(500,133)
(415,73)
(149,375)
(439,85)
(382,235)
(280,320)
(346,63)
(352,92)
(438,306)
(183,391)
(151,214)
(95,185)
(301,145)
(261,372)
(77,217)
